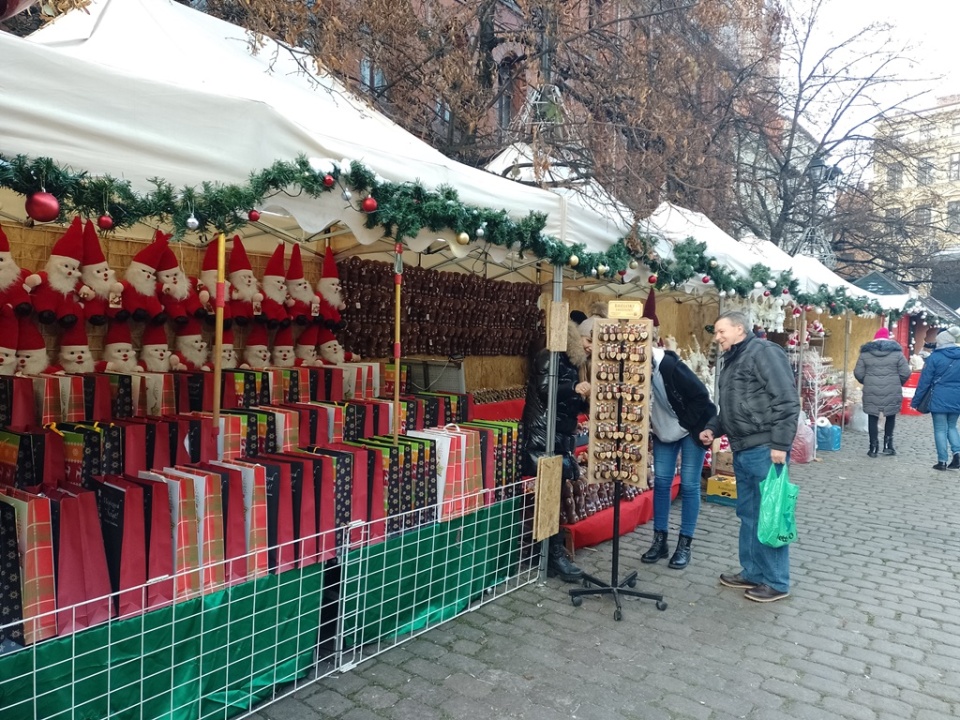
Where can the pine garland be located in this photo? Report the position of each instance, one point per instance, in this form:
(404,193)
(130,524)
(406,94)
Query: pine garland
(403,210)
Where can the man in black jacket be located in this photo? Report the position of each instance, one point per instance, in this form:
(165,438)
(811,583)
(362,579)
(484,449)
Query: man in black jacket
(758,413)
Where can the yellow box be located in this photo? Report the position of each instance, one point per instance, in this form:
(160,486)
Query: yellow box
(722,489)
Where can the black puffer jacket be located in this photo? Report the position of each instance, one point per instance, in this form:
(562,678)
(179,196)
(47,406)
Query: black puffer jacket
(883,369)
(688,396)
(569,406)
(758,397)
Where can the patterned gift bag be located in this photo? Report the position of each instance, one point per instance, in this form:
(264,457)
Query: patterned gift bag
(17,409)
(11,594)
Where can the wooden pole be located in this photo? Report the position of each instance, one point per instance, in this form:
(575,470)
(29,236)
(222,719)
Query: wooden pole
(218,330)
(397,284)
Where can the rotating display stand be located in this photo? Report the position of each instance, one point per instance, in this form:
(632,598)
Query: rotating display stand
(619,432)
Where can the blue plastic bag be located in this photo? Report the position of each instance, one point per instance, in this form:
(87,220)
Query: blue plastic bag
(828,438)
(778,502)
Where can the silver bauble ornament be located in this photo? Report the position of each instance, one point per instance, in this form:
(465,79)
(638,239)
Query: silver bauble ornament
(192,222)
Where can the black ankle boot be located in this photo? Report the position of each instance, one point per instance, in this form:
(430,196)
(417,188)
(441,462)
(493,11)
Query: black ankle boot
(888,445)
(658,549)
(559,565)
(955,463)
(874,449)
(681,558)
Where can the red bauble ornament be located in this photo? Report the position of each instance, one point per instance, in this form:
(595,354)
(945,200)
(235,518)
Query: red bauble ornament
(42,207)
(786,291)
(253,215)
(809,308)
(796,312)
(105,222)
(369,204)
(652,279)
(621,273)
(328,180)
(766,293)
(705,279)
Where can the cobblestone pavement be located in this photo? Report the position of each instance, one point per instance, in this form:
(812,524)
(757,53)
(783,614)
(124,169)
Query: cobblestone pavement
(871,630)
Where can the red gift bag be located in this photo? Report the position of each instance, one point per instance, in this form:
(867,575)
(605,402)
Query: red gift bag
(97,398)
(234,539)
(17,409)
(122,519)
(208,496)
(185,534)
(254,480)
(280,537)
(303,499)
(159,540)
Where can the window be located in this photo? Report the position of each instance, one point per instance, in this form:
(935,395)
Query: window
(953,216)
(371,75)
(894,176)
(924,171)
(956,128)
(893,222)
(922,217)
(953,170)
(507,82)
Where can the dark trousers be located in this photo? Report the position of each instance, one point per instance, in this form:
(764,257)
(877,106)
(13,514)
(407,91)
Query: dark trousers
(888,424)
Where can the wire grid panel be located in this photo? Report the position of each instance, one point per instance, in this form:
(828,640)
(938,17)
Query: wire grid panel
(217,655)
(395,590)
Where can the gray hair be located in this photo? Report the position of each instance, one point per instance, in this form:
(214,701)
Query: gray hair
(735,317)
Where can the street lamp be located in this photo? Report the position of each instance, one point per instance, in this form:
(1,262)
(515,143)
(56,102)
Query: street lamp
(812,240)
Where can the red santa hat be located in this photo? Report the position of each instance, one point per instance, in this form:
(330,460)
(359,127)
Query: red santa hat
(283,338)
(650,308)
(168,261)
(92,252)
(154,335)
(257,336)
(191,327)
(295,270)
(71,243)
(4,243)
(309,337)
(118,332)
(29,337)
(324,336)
(238,256)
(228,337)
(151,254)
(275,266)
(210,257)
(75,337)
(9,328)
(329,265)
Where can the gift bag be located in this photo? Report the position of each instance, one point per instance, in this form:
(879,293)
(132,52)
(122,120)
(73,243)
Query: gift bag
(777,525)
(208,496)
(72,407)
(254,485)
(184,535)
(17,408)
(97,398)
(234,540)
(124,397)
(159,541)
(122,519)
(46,396)
(11,596)
(159,394)
(21,459)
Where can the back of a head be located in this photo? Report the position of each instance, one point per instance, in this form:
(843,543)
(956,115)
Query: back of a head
(946,339)
(578,316)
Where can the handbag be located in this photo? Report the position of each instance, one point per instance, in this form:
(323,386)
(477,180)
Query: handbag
(777,525)
(922,404)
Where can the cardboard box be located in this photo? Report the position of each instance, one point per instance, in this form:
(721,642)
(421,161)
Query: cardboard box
(722,489)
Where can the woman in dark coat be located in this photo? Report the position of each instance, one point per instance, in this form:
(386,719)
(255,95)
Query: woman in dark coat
(882,369)
(941,378)
(573,391)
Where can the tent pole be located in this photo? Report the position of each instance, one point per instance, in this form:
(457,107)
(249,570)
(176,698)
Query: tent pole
(218,330)
(397,283)
(847,330)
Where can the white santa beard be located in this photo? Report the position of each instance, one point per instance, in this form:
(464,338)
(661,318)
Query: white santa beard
(228,357)
(329,290)
(155,364)
(192,354)
(70,364)
(332,352)
(114,354)
(277,293)
(142,283)
(244,291)
(93,279)
(303,293)
(178,291)
(256,356)
(55,275)
(9,271)
(283,356)
(306,353)
(8,361)
(34,364)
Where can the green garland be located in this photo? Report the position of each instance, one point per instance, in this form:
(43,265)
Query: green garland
(403,210)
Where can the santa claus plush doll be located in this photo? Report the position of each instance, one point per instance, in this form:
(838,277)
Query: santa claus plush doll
(275,299)
(54,290)
(245,295)
(12,278)
(32,357)
(99,290)
(118,354)
(256,354)
(177,294)
(206,287)
(330,292)
(155,354)
(9,332)
(304,302)
(228,354)
(75,355)
(306,347)
(283,355)
(331,351)
(192,349)
(140,289)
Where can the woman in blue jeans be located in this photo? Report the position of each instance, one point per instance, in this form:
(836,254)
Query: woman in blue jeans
(679,410)
(941,378)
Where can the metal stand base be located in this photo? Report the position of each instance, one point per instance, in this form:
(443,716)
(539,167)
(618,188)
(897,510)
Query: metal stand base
(593,586)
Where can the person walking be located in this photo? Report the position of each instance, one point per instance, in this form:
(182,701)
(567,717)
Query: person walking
(573,392)
(882,369)
(941,378)
(679,411)
(759,410)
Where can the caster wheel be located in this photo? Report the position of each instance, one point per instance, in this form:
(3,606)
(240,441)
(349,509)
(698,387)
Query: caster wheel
(632,583)
(661,605)
(576,601)
(617,615)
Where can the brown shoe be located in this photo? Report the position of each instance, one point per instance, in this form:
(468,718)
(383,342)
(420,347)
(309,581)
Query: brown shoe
(764,594)
(737,581)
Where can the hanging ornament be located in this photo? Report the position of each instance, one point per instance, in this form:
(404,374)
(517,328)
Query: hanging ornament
(42,207)
(808,308)
(593,272)
(766,293)
(192,222)
(463,238)
(653,280)
(621,273)
(328,180)
(796,312)
(786,291)
(105,222)
(480,232)
(346,195)
(713,263)
(573,261)
(253,215)
(771,284)
(757,285)
(818,310)
(602,269)
(634,264)
(705,279)
(369,204)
